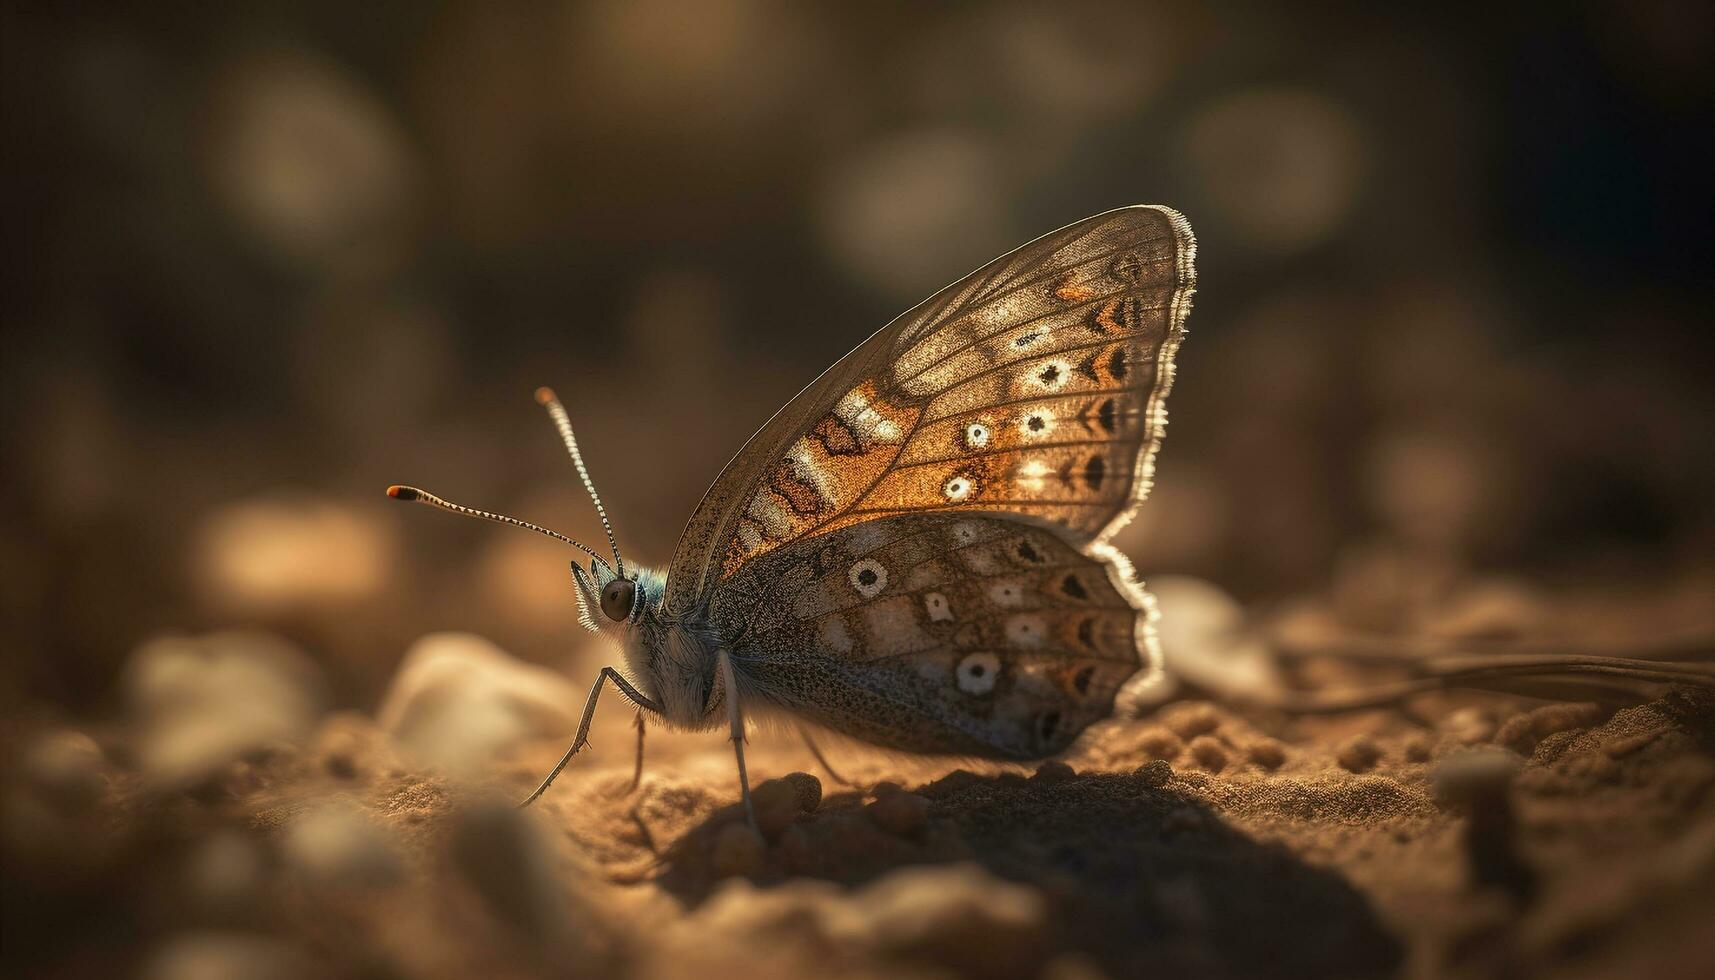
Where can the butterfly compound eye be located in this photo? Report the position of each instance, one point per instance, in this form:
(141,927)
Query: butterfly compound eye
(616,599)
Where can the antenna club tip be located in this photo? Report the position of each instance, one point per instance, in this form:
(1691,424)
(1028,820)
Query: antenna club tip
(398,492)
(545,396)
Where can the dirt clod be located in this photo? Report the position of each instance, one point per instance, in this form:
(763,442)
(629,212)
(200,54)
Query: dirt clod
(900,813)
(1360,753)
(1053,771)
(1155,773)
(1266,752)
(1209,753)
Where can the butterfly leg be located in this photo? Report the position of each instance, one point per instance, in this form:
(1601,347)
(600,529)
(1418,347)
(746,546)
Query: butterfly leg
(637,770)
(582,738)
(821,760)
(735,715)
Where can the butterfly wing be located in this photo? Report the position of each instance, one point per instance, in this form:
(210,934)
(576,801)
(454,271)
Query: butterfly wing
(967,634)
(1033,387)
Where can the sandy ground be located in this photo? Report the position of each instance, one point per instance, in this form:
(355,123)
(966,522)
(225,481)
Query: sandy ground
(1471,836)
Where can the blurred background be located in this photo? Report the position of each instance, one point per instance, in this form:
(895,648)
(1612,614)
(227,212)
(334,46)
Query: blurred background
(263,259)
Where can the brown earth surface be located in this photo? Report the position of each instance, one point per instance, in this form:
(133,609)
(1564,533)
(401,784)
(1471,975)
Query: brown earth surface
(1470,836)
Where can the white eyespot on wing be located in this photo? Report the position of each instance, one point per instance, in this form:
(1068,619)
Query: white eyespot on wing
(977,672)
(1033,473)
(1027,631)
(938,608)
(835,636)
(1037,423)
(868,577)
(1047,376)
(965,532)
(1006,593)
(958,487)
(976,435)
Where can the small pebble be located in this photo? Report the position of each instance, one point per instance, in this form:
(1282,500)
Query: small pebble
(204,702)
(1267,752)
(1209,753)
(457,702)
(884,788)
(1159,743)
(1194,719)
(1155,774)
(806,790)
(1054,771)
(336,846)
(1359,753)
(952,920)
(900,813)
(780,802)
(737,850)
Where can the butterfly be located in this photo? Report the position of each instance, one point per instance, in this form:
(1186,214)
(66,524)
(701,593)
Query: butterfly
(914,551)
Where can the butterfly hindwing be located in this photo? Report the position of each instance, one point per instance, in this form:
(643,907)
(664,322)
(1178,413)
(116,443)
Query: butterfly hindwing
(1033,387)
(941,632)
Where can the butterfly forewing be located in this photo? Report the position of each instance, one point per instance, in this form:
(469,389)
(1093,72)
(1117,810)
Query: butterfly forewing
(1032,387)
(967,634)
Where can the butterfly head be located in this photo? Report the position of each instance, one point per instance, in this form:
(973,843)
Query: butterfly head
(620,599)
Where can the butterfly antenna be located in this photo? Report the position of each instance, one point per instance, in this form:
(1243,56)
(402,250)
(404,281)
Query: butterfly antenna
(425,497)
(547,399)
